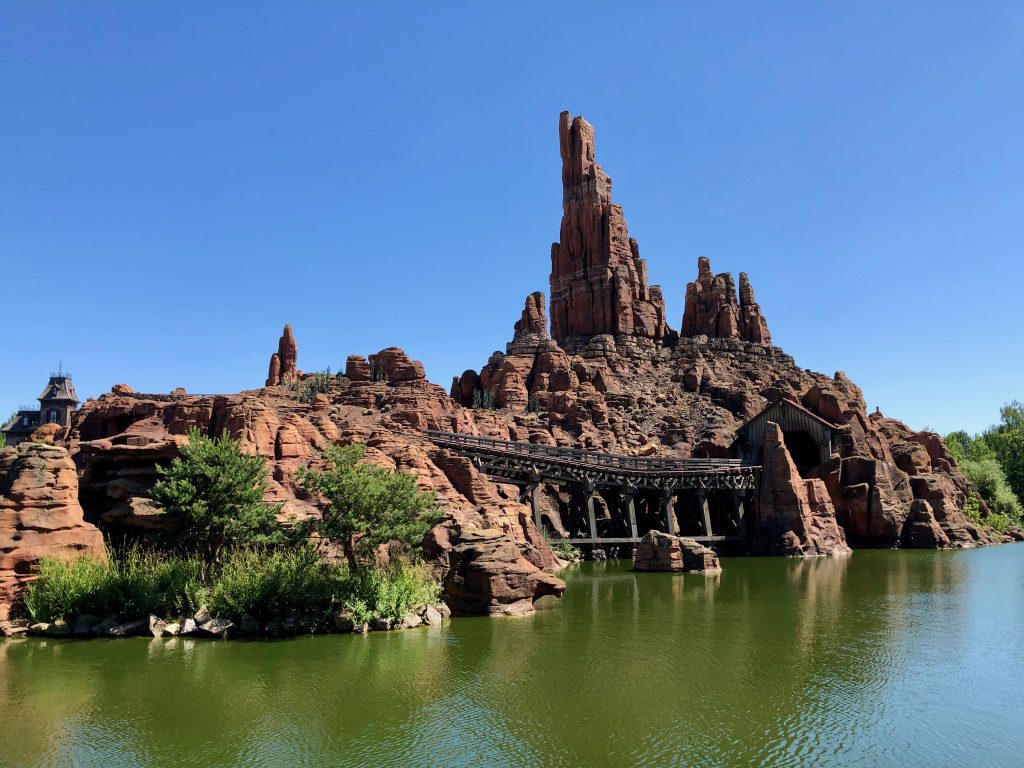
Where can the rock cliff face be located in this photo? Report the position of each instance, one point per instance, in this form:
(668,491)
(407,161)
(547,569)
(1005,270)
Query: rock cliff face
(39,515)
(598,280)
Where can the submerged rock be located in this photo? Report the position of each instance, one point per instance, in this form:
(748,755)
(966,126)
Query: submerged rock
(659,551)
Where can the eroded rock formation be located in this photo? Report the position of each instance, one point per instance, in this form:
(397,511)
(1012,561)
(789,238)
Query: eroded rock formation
(39,515)
(284,362)
(796,515)
(598,280)
(712,309)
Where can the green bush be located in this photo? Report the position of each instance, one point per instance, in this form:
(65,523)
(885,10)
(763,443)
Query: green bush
(214,494)
(368,505)
(980,462)
(132,584)
(268,584)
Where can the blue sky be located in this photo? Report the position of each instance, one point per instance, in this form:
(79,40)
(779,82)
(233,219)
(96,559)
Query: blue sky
(178,181)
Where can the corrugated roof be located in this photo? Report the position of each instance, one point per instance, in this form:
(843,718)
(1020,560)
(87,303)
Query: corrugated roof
(791,404)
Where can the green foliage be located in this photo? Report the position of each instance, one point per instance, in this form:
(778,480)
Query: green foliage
(533,404)
(214,495)
(1006,440)
(307,390)
(368,505)
(135,583)
(389,592)
(563,548)
(483,399)
(987,461)
(377,372)
(268,583)
(263,583)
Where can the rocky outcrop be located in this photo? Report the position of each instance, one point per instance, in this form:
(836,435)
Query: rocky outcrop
(659,551)
(40,515)
(284,362)
(598,280)
(488,575)
(712,309)
(921,529)
(796,515)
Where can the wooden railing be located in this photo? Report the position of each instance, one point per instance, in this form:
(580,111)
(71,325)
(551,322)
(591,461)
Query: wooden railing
(578,457)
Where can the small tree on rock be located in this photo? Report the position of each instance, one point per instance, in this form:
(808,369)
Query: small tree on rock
(368,505)
(214,494)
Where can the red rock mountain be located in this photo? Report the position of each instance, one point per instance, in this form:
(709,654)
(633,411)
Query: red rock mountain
(611,375)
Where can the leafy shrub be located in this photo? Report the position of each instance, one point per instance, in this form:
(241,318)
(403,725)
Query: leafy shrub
(562,547)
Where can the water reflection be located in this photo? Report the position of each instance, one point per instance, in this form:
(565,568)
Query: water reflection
(867,660)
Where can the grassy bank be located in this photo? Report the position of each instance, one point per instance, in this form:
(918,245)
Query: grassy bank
(266,585)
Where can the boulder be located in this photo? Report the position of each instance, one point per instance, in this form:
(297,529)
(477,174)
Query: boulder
(40,516)
(129,628)
(222,628)
(248,625)
(922,530)
(156,626)
(488,574)
(659,551)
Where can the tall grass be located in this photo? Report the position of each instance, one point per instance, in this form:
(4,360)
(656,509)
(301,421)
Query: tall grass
(133,583)
(264,583)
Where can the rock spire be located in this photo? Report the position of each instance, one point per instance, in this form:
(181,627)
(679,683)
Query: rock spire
(712,310)
(598,280)
(283,363)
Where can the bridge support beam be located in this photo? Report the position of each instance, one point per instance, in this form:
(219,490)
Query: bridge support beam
(741,518)
(668,512)
(588,502)
(702,499)
(630,499)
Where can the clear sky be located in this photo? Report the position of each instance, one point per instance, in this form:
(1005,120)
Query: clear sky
(178,181)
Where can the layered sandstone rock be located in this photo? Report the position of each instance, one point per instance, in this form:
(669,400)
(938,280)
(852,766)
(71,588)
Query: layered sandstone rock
(796,515)
(659,551)
(712,309)
(598,280)
(40,516)
(488,575)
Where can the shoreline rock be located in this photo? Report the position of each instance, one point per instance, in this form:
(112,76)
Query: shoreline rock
(660,552)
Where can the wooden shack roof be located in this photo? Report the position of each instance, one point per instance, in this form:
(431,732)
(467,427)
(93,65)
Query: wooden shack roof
(785,402)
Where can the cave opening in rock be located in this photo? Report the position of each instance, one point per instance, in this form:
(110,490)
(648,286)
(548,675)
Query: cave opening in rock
(803,448)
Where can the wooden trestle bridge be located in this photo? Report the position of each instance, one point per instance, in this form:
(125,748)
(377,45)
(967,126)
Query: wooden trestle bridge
(611,500)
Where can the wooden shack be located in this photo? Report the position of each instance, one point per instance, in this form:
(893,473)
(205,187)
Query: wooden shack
(808,436)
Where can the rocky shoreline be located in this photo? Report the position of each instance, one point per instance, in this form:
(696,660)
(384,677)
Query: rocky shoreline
(202,624)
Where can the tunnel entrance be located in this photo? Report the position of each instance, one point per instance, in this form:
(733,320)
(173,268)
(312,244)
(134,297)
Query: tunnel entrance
(803,448)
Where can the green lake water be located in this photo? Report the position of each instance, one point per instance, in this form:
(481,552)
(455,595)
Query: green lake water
(882,658)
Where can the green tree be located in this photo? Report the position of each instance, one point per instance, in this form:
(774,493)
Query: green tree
(1006,442)
(368,505)
(214,494)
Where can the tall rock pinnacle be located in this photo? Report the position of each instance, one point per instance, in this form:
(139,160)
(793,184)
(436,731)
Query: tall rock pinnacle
(598,280)
(283,363)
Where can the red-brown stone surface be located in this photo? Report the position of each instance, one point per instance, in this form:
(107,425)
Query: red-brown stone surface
(712,309)
(598,280)
(796,515)
(40,516)
(659,551)
(283,363)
